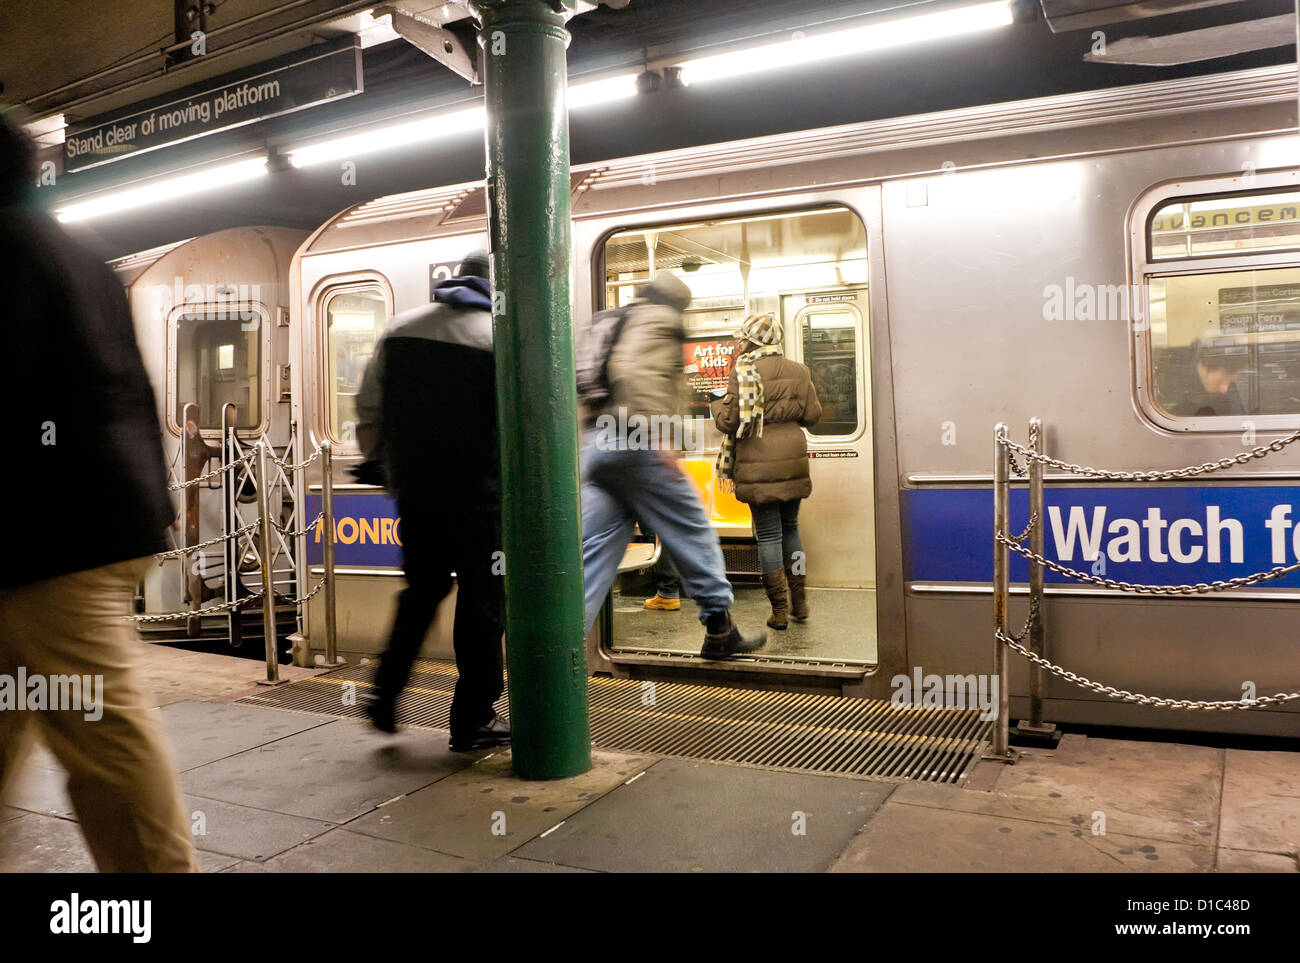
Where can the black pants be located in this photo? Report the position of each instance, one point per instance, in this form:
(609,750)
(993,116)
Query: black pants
(435,543)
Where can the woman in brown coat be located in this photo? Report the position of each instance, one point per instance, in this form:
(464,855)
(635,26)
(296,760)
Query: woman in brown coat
(769,401)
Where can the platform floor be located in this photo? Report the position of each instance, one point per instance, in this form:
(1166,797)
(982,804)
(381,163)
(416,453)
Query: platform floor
(282,791)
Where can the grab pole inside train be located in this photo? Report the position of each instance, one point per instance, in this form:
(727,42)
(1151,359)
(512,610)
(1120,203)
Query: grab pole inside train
(523,52)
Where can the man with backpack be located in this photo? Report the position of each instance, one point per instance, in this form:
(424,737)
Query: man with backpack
(630,376)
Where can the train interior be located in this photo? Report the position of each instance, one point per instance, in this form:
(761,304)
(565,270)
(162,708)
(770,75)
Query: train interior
(809,269)
(1225,342)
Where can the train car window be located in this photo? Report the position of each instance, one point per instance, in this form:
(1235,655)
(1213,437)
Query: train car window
(1226,344)
(218,357)
(1216,316)
(1201,226)
(751,264)
(829,350)
(354,320)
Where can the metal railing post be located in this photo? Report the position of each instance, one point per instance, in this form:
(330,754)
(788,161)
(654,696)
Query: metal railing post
(264,543)
(1001,560)
(1036,543)
(230,515)
(327,551)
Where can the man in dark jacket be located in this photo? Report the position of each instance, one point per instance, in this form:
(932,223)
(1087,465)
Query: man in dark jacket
(430,391)
(87,501)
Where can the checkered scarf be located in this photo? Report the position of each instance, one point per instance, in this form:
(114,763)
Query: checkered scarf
(766,332)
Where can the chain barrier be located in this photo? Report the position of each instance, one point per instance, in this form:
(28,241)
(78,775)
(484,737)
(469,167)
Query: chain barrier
(1241,458)
(1016,642)
(305,463)
(209,610)
(190,549)
(245,460)
(295,532)
(242,460)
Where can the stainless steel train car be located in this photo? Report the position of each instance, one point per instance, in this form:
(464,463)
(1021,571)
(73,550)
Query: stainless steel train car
(212,319)
(1082,258)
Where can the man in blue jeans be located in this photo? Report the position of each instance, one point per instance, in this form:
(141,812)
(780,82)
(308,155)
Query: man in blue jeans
(630,470)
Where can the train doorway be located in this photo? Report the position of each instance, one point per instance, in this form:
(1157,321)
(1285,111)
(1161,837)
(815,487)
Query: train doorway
(808,268)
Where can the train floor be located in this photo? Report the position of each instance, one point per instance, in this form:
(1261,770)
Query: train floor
(272,790)
(841,626)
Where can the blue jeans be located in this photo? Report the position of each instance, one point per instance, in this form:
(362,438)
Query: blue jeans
(776,527)
(619,487)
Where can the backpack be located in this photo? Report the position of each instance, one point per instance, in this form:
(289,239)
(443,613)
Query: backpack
(593,352)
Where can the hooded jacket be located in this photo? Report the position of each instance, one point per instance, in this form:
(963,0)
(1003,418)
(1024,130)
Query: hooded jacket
(86,485)
(430,394)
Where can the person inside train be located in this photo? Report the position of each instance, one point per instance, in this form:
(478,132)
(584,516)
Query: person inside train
(430,390)
(68,577)
(668,584)
(1204,382)
(764,456)
(625,477)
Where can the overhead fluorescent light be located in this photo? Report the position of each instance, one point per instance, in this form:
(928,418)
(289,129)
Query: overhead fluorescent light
(156,192)
(440,125)
(843,43)
(621,87)
(383,138)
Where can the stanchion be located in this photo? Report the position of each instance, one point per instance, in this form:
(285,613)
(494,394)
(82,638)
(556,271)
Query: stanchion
(1001,560)
(1034,731)
(268,580)
(327,551)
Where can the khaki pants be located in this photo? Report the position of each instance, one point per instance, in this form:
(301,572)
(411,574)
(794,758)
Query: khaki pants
(122,778)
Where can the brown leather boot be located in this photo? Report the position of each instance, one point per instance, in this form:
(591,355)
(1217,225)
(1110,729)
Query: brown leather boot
(798,596)
(777,594)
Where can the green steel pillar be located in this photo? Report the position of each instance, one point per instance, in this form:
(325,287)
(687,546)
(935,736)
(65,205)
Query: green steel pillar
(523,45)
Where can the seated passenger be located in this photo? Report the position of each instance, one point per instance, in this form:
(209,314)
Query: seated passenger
(1205,385)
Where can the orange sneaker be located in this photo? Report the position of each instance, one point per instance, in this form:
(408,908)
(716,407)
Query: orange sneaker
(661,604)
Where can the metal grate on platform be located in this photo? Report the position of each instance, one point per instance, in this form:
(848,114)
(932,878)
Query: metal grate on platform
(800,732)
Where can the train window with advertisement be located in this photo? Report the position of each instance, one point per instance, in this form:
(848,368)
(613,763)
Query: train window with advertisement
(354,320)
(218,361)
(1218,344)
(754,264)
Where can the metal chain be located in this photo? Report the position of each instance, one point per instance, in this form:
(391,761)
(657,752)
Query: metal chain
(1033,520)
(1200,588)
(290,467)
(1241,458)
(1146,700)
(181,552)
(210,610)
(302,601)
(1011,458)
(211,474)
(291,533)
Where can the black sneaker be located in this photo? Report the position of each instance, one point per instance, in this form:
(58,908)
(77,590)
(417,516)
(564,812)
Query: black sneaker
(381,712)
(731,641)
(495,733)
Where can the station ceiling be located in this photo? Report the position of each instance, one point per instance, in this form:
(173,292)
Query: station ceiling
(1026,59)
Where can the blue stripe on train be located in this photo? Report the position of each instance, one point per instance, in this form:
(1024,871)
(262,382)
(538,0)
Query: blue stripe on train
(947,532)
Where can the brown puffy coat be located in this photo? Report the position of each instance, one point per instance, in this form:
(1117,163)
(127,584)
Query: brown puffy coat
(773,468)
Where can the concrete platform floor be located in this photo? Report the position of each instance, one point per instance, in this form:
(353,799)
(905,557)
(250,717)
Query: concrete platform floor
(277,791)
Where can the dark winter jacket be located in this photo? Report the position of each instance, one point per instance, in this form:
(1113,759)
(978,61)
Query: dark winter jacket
(430,393)
(85,484)
(773,468)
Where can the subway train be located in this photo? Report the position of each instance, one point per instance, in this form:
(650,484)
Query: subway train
(1105,261)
